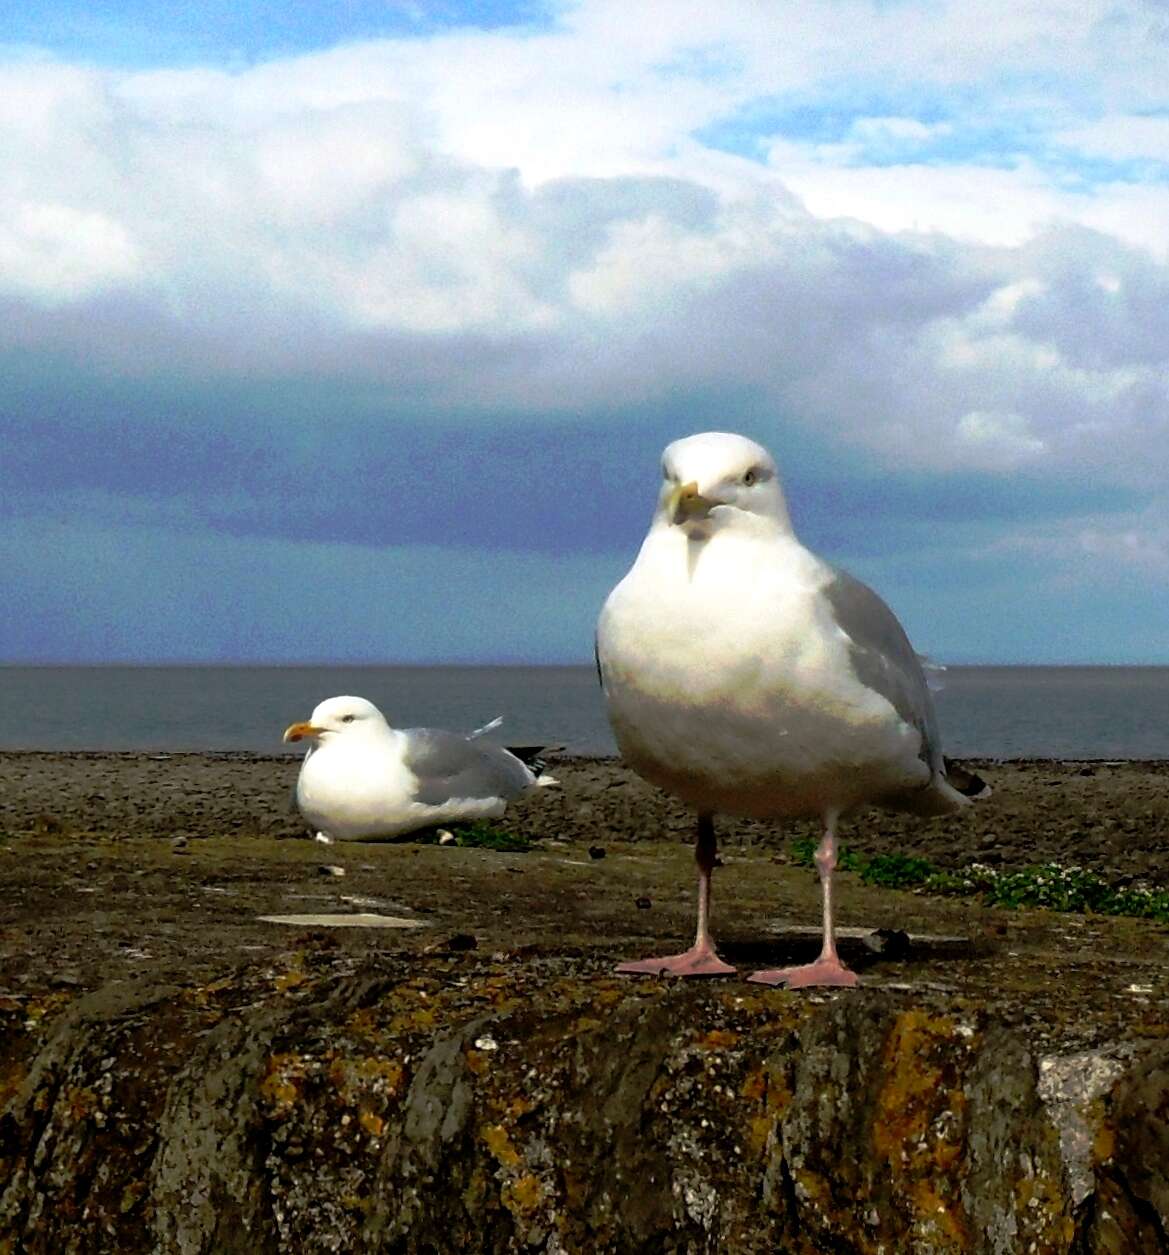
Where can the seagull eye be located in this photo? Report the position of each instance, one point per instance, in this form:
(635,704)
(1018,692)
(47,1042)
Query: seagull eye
(750,478)
(348,718)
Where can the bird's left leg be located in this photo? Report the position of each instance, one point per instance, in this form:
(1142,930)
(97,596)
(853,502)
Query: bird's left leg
(827,969)
(702,958)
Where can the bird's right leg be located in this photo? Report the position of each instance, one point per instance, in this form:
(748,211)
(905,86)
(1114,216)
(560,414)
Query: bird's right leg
(827,969)
(701,959)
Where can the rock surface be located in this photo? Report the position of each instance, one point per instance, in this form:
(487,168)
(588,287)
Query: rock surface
(179,1074)
(469,1105)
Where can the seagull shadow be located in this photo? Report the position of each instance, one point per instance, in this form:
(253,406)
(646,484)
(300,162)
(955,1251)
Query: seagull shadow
(885,945)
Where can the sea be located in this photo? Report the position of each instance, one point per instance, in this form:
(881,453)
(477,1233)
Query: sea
(985,712)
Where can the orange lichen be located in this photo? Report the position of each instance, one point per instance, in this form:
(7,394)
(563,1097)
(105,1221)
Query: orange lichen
(1104,1143)
(1040,1199)
(289,980)
(388,1070)
(353,1079)
(37,1009)
(914,1110)
(498,1142)
(201,995)
(758,1131)
(773,1014)
(510,1108)
(755,1086)
(813,1186)
(717,1039)
(280,1086)
(81,1102)
(935,1216)
(524,1195)
(362,1023)
(906,1103)
(374,1125)
(477,1061)
(413,1020)
(767,1086)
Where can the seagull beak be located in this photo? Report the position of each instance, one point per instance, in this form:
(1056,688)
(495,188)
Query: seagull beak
(686,502)
(297,731)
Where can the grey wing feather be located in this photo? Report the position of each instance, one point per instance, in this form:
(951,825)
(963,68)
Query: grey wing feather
(884,659)
(448,765)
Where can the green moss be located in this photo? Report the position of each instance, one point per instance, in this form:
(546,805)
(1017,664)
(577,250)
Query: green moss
(895,871)
(1059,888)
(803,854)
(480,835)
(802,850)
(1049,886)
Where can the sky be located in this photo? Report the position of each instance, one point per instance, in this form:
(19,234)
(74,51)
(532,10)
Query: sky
(354,332)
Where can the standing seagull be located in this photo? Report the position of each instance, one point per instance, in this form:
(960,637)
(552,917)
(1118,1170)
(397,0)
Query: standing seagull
(748,677)
(366,781)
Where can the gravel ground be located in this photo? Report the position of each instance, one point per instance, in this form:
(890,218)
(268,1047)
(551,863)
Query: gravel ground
(1111,817)
(121,867)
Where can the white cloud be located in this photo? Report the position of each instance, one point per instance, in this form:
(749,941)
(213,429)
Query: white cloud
(534,221)
(909,130)
(648,263)
(972,203)
(56,252)
(929,233)
(1121,137)
(1127,545)
(999,441)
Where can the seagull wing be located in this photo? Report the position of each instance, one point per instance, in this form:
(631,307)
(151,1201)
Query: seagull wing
(448,766)
(883,658)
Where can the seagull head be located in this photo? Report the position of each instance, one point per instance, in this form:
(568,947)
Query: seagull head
(339,716)
(717,479)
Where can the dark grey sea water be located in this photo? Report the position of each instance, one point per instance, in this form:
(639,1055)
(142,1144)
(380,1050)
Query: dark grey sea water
(992,712)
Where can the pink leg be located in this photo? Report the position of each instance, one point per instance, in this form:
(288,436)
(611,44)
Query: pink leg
(701,959)
(827,969)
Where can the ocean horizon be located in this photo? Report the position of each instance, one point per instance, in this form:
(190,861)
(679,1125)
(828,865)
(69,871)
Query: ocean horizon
(1089,712)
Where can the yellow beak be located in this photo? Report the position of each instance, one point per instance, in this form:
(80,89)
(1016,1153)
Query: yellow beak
(296,731)
(686,502)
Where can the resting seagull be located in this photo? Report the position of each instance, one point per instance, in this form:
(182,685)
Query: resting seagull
(748,677)
(366,781)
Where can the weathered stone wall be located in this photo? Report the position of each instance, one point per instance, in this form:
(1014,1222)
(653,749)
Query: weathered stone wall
(465,1109)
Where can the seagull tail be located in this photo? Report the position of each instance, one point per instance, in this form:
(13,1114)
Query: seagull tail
(965,781)
(534,758)
(545,781)
(946,793)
